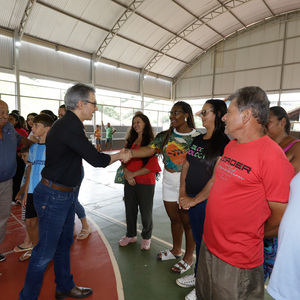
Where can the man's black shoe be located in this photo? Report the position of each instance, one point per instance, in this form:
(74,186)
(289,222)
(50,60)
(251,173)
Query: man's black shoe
(2,257)
(76,292)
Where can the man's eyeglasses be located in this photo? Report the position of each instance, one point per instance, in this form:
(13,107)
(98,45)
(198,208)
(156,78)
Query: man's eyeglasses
(175,112)
(205,111)
(94,103)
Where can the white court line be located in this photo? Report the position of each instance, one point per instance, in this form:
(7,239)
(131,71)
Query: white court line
(19,221)
(124,224)
(115,265)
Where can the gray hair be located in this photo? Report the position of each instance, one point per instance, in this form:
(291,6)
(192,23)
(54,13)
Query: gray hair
(77,92)
(255,98)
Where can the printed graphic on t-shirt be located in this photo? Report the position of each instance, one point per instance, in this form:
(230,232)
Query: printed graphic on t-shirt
(175,151)
(38,162)
(196,151)
(37,156)
(246,181)
(232,167)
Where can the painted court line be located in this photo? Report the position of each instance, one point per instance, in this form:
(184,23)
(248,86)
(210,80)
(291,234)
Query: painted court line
(113,261)
(113,220)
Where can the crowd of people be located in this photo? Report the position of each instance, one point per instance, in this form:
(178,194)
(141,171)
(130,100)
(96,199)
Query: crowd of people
(227,190)
(235,193)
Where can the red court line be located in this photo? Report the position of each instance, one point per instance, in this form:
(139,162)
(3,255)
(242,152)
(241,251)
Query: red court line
(91,265)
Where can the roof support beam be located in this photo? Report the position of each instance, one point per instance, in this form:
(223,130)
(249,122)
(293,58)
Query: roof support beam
(282,63)
(17,69)
(217,32)
(121,21)
(268,8)
(181,35)
(222,8)
(281,18)
(24,20)
(228,6)
(101,28)
(156,24)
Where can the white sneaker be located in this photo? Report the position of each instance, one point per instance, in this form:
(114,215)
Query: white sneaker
(187,281)
(191,295)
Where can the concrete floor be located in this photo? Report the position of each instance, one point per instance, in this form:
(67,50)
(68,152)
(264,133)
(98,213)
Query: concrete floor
(143,276)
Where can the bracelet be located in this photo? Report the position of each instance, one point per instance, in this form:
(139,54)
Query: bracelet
(131,152)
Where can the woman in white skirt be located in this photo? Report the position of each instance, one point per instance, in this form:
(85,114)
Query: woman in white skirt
(173,145)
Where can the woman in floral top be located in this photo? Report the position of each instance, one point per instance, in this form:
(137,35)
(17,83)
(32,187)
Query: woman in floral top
(173,144)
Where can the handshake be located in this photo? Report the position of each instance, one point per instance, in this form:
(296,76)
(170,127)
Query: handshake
(125,155)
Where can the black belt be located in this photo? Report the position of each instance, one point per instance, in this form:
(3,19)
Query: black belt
(58,187)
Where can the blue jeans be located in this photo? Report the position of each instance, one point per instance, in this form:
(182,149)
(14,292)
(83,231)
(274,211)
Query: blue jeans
(56,212)
(80,212)
(197,216)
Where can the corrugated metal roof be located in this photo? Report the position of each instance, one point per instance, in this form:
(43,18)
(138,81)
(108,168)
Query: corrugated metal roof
(160,36)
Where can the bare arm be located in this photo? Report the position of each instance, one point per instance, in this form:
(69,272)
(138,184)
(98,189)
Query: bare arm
(123,156)
(130,179)
(128,174)
(142,152)
(32,138)
(186,202)
(25,141)
(20,193)
(184,170)
(273,222)
(26,185)
(293,156)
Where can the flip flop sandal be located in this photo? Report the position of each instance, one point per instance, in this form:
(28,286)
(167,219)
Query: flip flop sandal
(182,266)
(25,256)
(21,249)
(84,234)
(166,255)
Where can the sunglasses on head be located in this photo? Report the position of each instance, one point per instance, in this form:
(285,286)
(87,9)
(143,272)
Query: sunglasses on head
(205,111)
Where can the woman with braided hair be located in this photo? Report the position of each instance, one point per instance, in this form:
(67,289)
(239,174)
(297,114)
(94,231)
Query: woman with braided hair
(197,176)
(172,145)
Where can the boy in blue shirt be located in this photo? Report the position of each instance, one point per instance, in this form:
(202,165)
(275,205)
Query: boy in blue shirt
(37,156)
